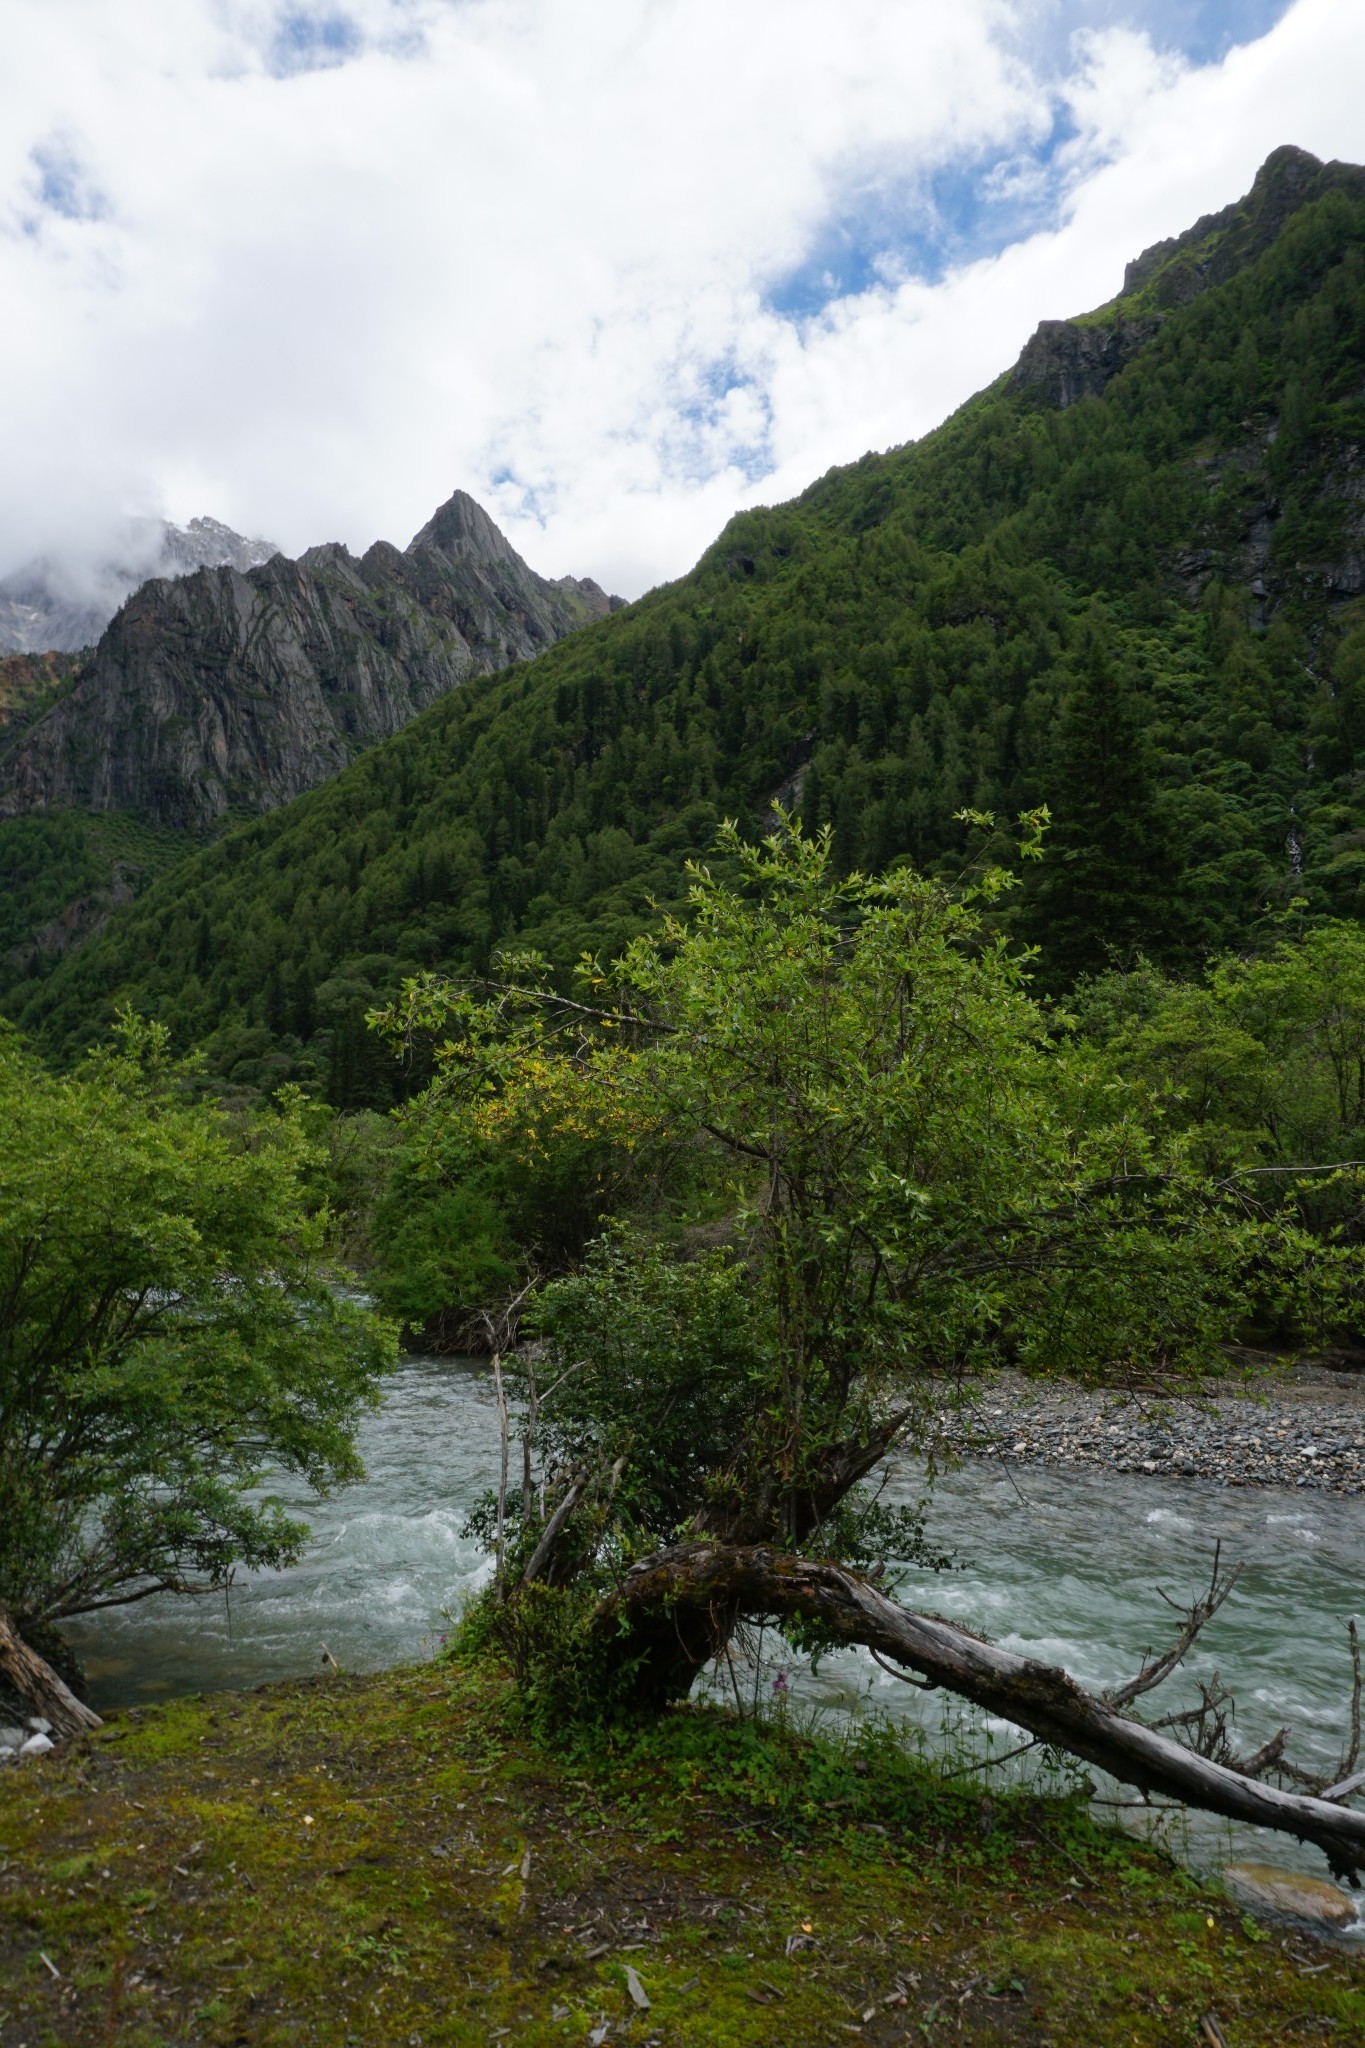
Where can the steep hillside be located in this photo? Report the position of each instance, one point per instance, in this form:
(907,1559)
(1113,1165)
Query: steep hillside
(1127,581)
(226,690)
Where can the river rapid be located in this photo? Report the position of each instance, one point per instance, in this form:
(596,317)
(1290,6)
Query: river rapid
(1062,1565)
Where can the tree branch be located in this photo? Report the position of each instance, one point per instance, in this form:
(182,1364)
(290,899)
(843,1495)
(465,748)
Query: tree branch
(693,1582)
(1160,1668)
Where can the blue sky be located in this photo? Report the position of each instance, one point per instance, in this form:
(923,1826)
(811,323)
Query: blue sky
(1203,31)
(617,268)
(975,205)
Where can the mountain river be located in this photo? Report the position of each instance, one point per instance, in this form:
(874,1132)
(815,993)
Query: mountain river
(1061,1565)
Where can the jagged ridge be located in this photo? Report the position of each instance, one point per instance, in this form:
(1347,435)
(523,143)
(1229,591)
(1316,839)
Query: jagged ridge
(1066,360)
(53,606)
(228,691)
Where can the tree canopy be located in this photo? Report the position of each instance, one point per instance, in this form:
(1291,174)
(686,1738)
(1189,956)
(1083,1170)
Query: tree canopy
(912,636)
(861,1167)
(168,1333)
(845,1086)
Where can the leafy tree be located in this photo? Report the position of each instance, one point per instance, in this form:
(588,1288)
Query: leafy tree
(167,1334)
(922,1183)
(921,1180)
(1261,1065)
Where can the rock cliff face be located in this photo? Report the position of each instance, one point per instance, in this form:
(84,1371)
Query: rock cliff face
(1221,244)
(54,606)
(1065,360)
(226,690)
(1068,360)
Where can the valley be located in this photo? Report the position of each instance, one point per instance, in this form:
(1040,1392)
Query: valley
(832,1069)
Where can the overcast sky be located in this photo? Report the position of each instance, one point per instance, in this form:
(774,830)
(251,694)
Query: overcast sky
(617,267)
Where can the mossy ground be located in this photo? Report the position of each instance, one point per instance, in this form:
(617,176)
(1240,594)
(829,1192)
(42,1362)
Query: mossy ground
(387,1860)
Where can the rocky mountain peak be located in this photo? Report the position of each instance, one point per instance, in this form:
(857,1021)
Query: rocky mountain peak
(462,530)
(58,604)
(256,677)
(208,544)
(1223,243)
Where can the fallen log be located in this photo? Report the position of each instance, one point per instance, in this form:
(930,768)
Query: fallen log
(35,1681)
(692,1594)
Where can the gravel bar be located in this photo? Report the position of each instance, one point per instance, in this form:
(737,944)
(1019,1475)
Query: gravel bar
(1298,1428)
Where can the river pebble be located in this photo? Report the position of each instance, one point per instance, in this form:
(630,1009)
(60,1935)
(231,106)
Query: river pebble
(1298,1430)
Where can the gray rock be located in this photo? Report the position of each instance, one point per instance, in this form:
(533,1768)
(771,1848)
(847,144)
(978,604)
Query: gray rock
(37,1745)
(229,690)
(10,1738)
(38,1725)
(1292,1894)
(49,605)
(1221,244)
(1067,360)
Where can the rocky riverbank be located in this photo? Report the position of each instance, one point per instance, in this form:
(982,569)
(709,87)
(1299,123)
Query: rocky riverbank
(1301,1427)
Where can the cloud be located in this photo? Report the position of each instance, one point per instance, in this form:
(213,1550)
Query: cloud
(616,268)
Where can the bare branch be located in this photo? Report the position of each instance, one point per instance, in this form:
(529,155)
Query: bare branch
(681,1593)
(1155,1672)
(578,1487)
(1351,1754)
(1261,1760)
(549,1535)
(504,1433)
(552,1000)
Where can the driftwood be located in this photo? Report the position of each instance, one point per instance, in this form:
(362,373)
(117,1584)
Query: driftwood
(687,1596)
(35,1681)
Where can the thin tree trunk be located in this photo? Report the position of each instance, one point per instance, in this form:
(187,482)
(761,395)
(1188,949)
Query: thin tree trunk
(544,1550)
(673,1606)
(798,1512)
(504,1435)
(36,1681)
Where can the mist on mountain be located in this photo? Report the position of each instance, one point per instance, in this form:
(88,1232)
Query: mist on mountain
(62,597)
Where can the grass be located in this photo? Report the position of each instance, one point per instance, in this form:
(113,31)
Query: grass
(392,1860)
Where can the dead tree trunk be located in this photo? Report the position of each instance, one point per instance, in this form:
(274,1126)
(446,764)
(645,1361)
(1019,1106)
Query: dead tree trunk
(673,1606)
(36,1681)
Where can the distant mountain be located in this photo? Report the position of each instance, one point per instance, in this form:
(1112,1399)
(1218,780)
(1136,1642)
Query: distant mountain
(1127,581)
(238,687)
(49,606)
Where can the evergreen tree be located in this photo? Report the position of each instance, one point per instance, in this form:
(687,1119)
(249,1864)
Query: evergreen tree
(1104,890)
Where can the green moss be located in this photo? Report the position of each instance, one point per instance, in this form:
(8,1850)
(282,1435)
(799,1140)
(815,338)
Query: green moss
(390,1859)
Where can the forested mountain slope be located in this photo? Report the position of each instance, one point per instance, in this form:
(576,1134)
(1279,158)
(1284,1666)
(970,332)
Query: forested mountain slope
(1127,581)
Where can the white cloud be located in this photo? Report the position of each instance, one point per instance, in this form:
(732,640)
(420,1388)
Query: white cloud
(309,267)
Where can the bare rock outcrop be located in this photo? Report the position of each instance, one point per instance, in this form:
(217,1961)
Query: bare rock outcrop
(229,691)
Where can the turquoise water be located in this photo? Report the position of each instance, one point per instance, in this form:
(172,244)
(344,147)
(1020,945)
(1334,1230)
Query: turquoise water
(1059,1565)
(386,1558)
